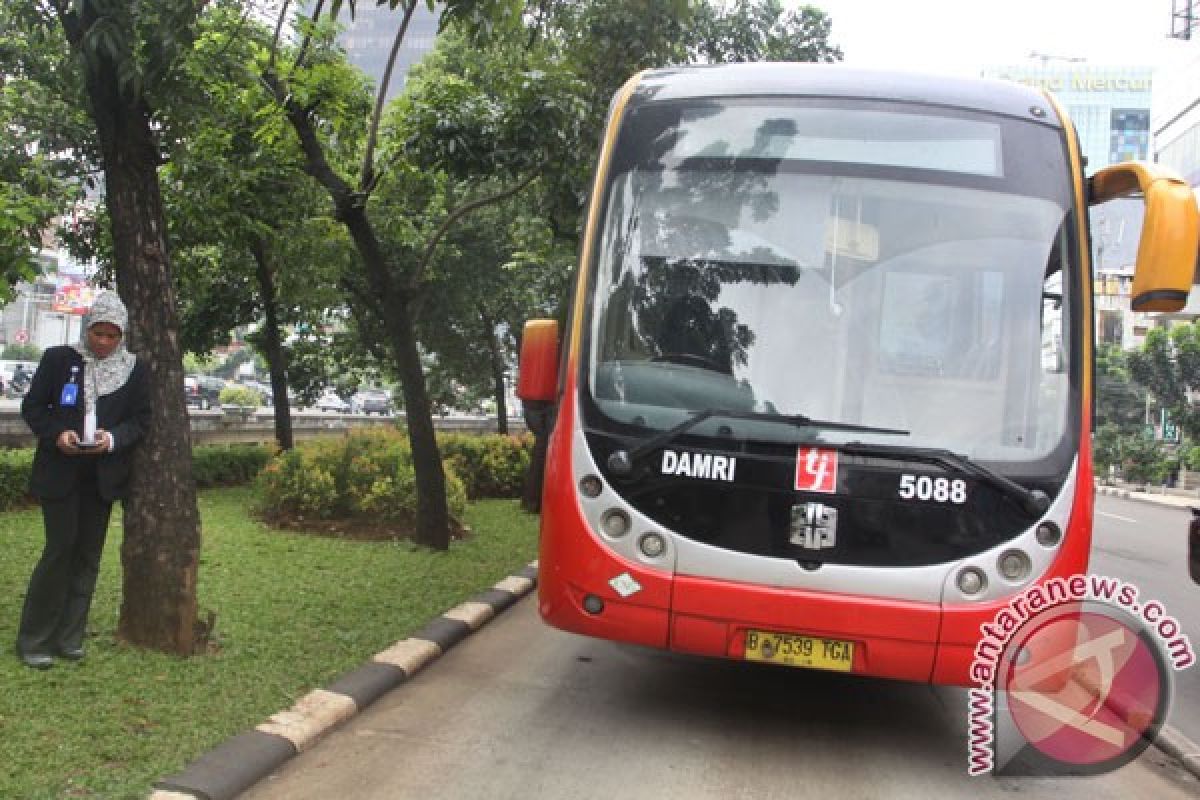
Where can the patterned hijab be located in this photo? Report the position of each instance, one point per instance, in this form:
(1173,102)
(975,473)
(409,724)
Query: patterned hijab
(105,375)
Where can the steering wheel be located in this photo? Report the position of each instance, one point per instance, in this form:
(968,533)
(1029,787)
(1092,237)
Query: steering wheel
(691,360)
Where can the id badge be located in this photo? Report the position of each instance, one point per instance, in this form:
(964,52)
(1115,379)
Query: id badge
(70,395)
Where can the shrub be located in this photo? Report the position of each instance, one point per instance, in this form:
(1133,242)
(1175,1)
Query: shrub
(21,352)
(212,465)
(490,465)
(229,465)
(240,396)
(366,476)
(15,466)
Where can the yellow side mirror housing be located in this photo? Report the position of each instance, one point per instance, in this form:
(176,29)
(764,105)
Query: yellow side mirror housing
(1166,259)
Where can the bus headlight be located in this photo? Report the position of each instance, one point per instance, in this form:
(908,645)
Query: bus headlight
(652,545)
(1014,565)
(971,581)
(591,486)
(1048,534)
(615,523)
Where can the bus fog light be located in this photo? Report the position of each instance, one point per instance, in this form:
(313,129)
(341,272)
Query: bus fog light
(615,523)
(1048,534)
(652,545)
(1014,565)
(591,486)
(971,581)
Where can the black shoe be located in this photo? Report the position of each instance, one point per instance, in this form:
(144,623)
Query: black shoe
(37,660)
(72,653)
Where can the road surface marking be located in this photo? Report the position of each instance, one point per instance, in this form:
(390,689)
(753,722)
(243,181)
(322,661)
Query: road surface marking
(1115,516)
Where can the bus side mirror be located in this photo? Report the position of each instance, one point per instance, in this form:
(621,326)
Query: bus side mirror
(1166,259)
(537,372)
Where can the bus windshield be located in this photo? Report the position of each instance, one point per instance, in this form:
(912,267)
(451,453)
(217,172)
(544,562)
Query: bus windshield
(875,264)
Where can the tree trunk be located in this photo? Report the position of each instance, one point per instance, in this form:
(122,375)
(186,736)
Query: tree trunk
(433,517)
(160,552)
(273,348)
(496,362)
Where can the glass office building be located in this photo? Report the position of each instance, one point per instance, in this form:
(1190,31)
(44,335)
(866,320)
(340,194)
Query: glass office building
(368,41)
(1110,106)
(1176,120)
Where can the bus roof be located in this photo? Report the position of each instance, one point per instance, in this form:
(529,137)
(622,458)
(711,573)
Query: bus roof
(835,80)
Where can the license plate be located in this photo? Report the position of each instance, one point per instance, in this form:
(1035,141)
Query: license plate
(799,651)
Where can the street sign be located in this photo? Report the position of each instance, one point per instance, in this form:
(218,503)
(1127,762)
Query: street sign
(1170,430)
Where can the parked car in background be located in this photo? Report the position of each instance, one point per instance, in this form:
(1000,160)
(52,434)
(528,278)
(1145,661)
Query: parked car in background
(330,401)
(371,401)
(202,391)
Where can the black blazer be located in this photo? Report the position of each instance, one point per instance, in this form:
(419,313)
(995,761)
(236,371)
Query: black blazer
(125,413)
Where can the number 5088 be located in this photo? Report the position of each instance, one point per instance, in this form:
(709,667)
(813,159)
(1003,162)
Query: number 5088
(926,488)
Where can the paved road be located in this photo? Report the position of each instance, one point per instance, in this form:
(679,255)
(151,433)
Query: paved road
(523,711)
(1146,544)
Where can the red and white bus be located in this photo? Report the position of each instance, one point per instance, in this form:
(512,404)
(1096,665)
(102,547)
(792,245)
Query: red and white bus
(824,396)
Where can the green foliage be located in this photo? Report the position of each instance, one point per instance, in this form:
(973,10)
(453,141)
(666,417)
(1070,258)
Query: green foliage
(367,475)
(243,396)
(1168,364)
(761,30)
(490,466)
(212,465)
(293,612)
(229,465)
(21,352)
(15,467)
(1107,447)
(194,364)
(1143,460)
(1120,401)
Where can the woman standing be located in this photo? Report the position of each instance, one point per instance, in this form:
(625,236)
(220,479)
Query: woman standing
(88,405)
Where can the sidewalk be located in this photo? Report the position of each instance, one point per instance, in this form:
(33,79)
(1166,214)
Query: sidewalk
(1173,500)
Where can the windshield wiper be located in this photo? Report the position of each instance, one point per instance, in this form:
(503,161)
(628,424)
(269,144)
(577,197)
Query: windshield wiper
(1032,501)
(621,462)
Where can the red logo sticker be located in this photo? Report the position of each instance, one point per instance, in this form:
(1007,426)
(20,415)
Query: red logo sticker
(816,470)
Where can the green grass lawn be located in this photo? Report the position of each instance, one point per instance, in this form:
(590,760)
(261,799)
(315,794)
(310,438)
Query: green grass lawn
(293,611)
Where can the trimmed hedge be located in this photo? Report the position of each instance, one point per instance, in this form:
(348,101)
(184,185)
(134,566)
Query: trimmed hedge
(212,465)
(367,473)
(490,465)
(229,464)
(15,467)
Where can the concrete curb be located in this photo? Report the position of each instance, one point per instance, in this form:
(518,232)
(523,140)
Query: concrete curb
(1180,748)
(1142,497)
(242,761)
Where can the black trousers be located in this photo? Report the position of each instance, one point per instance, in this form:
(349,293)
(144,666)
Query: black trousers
(55,613)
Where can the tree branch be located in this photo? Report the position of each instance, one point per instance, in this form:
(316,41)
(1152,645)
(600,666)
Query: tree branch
(315,163)
(278,30)
(303,51)
(457,214)
(366,180)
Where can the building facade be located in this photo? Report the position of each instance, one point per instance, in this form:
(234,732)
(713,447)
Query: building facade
(368,41)
(1110,106)
(1118,114)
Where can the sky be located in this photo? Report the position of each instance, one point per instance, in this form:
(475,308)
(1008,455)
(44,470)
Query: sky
(963,36)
